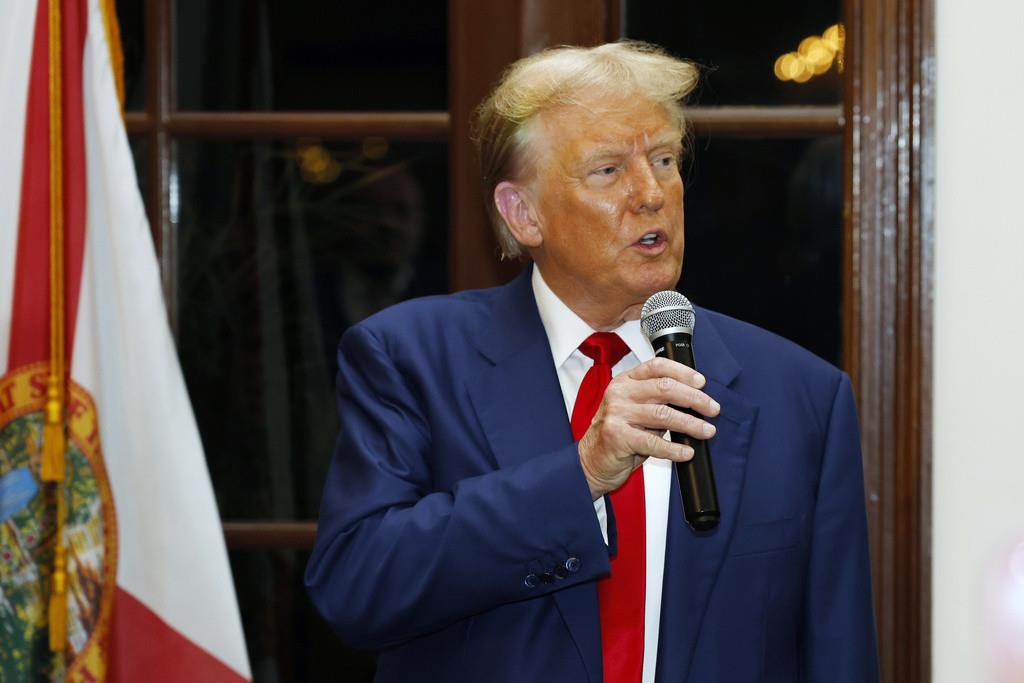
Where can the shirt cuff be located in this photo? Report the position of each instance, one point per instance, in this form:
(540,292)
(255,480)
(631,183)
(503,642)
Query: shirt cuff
(602,517)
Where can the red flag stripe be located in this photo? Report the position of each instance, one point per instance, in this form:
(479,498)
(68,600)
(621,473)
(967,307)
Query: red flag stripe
(75,20)
(30,305)
(145,648)
(29,341)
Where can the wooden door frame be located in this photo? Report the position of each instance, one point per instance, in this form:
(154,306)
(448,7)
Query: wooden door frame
(888,291)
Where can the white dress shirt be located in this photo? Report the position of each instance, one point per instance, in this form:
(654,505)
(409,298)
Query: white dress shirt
(566,331)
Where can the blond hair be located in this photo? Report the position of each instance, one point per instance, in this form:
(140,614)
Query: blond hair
(559,76)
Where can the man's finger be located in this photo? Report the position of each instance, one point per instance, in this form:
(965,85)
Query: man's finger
(660,417)
(663,367)
(649,444)
(670,391)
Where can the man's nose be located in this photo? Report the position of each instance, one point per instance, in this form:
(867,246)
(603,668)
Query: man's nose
(646,193)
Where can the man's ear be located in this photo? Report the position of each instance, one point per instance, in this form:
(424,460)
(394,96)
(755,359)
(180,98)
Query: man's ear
(515,205)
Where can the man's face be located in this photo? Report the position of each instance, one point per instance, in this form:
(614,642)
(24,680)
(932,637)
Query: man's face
(609,205)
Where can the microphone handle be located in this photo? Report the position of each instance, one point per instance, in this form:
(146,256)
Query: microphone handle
(696,477)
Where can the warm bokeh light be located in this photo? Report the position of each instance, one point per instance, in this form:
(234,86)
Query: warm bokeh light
(375,147)
(815,52)
(806,73)
(779,72)
(813,57)
(316,164)
(833,38)
(791,66)
(807,44)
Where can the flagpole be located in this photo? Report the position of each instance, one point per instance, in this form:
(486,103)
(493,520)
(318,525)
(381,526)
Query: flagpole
(54,437)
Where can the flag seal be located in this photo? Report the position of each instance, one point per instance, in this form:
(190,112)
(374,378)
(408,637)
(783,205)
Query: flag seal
(27,534)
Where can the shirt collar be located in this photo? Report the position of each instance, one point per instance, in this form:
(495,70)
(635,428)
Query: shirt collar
(566,330)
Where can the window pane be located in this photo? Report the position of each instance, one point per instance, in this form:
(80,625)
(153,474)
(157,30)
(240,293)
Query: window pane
(308,55)
(286,638)
(281,246)
(764,235)
(738,44)
(133,41)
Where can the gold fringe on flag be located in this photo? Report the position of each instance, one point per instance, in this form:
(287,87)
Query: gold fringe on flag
(114,45)
(54,435)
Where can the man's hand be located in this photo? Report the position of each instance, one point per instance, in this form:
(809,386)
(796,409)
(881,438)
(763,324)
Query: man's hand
(636,410)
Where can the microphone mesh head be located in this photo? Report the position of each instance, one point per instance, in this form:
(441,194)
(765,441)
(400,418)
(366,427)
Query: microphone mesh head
(666,310)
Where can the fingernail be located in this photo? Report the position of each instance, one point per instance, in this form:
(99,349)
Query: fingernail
(698,380)
(709,429)
(715,407)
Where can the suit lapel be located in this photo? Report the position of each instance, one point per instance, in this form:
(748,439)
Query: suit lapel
(518,400)
(516,394)
(693,560)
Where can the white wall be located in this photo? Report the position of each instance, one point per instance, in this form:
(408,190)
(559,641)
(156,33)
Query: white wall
(978,495)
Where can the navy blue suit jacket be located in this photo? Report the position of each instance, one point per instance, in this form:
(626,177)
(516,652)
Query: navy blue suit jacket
(458,538)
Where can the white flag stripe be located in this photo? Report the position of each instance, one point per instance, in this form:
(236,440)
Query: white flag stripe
(171,553)
(17,25)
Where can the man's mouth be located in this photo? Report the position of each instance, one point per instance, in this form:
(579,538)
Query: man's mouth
(651,239)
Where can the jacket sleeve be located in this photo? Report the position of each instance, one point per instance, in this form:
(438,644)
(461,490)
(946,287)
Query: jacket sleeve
(395,558)
(838,621)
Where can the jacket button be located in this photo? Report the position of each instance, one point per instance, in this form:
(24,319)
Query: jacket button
(531,581)
(559,572)
(572,564)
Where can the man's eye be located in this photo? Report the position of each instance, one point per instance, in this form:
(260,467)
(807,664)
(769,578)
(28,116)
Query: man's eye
(665,161)
(607,170)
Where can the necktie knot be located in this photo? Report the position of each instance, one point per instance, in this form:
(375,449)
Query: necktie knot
(604,348)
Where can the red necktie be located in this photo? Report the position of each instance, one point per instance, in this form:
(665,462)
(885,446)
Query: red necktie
(620,596)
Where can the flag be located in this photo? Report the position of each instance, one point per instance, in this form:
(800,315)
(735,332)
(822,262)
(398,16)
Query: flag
(112,561)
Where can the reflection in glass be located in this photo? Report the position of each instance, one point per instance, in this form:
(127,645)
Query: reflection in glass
(738,44)
(282,246)
(309,55)
(764,235)
(287,640)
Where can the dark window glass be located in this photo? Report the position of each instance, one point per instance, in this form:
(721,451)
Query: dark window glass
(738,44)
(130,16)
(307,55)
(764,235)
(281,246)
(287,640)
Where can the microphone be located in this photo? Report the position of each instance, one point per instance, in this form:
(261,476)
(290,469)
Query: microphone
(667,320)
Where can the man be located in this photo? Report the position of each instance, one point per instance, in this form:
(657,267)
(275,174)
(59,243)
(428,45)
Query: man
(498,510)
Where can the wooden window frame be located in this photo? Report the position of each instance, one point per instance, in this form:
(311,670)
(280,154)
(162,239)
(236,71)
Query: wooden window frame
(887,124)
